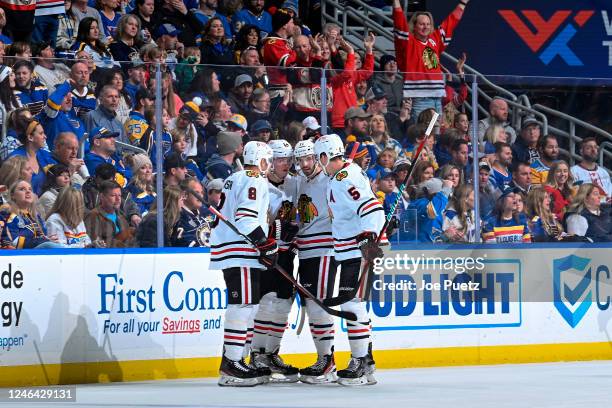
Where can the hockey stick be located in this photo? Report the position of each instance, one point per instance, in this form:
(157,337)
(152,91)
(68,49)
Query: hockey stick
(339,313)
(353,152)
(366,269)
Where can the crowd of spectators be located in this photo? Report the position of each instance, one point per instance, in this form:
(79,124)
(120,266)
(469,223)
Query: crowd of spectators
(78,94)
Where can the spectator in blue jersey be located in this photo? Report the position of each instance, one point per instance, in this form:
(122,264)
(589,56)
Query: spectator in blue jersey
(431,200)
(458,224)
(84,99)
(24,228)
(103,150)
(225,162)
(542,222)
(127,41)
(587,217)
(505,226)
(6,40)
(105,115)
(525,148)
(17,122)
(30,91)
(59,116)
(137,125)
(207,10)
(548,148)
(500,170)
(486,191)
(193,227)
(136,79)
(253,13)
(141,189)
(33,148)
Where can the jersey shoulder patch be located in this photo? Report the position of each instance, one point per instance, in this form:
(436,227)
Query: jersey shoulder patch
(341,175)
(251,173)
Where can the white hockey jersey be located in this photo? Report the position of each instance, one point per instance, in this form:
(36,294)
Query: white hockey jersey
(354,209)
(244,202)
(282,203)
(599,178)
(314,238)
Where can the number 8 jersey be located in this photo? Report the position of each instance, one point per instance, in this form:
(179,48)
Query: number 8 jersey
(244,202)
(354,209)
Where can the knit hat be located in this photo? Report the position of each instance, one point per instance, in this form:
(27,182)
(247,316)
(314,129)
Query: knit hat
(228,142)
(260,125)
(139,161)
(215,184)
(385,59)
(238,121)
(280,18)
(191,110)
(431,186)
(4,72)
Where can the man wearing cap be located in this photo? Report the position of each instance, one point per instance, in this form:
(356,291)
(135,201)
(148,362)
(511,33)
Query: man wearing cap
(59,116)
(362,155)
(505,226)
(185,23)
(261,131)
(105,115)
(225,162)
(136,125)
(376,98)
(238,123)
(166,37)
(103,150)
(356,122)
(276,50)
(241,93)
(175,169)
(313,129)
(388,79)
(185,123)
(525,149)
(253,13)
(136,72)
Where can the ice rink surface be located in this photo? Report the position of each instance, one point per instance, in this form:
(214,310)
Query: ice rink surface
(557,385)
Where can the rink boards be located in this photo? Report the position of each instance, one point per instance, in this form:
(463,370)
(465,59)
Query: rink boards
(121,315)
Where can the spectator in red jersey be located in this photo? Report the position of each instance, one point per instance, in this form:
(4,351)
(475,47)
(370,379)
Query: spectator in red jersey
(418,48)
(559,184)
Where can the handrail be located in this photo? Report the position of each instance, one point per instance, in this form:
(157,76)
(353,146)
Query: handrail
(577,121)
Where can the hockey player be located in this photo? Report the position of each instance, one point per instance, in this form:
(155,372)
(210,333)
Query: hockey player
(357,218)
(316,254)
(276,292)
(245,203)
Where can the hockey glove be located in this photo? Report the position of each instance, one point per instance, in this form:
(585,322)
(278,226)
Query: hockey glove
(268,252)
(284,230)
(392,226)
(369,247)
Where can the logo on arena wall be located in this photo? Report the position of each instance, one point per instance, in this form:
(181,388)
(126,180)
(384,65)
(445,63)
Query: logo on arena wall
(546,30)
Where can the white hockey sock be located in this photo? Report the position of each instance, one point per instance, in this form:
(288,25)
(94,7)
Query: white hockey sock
(321,328)
(359,331)
(249,337)
(235,330)
(278,323)
(262,321)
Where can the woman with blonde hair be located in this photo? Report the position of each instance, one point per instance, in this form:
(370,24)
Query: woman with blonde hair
(146,234)
(543,224)
(141,189)
(559,184)
(13,169)
(66,219)
(379,132)
(458,224)
(494,134)
(24,227)
(452,173)
(586,218)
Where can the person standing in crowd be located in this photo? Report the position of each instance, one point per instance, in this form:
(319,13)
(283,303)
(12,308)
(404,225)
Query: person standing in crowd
(418,47)
(390,81)
(559,184)
(65,219)
(586,217)
(277,52)
(68,23)
(106,222)
(587,171)
(548,148)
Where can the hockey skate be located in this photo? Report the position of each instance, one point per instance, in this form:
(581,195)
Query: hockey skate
(371,366)
(279,371)
(259,362)
(321,372)
(236,374)
(356,373)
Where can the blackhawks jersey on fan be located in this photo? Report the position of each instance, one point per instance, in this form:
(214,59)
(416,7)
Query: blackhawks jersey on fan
(314,239)
(282,197)
(244,202)
(354,209)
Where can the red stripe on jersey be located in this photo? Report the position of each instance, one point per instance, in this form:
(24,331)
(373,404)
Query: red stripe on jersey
(246,285)
(323,276)
(354,242)
(233,250)
(234,337)
(372,204)
(313,241)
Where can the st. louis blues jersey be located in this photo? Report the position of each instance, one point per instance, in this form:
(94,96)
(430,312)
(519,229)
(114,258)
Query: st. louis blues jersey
(245,202)
(282,199)
(354,209)
(314,238)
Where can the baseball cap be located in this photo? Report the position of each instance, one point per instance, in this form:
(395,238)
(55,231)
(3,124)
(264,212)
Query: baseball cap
(242,79)
(529,120)
(401,164)
(506,190)
(102,133)
(190,109)
(311,123)
(356,112)
(174,160)
(375,92)
(260,125)
(167,29)
(239,121)
(136,63)
(215,184)
(484,165)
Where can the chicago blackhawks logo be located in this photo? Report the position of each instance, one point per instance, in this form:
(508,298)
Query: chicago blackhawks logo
(342,175)
(306,209)
(286,213)
(430,59)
